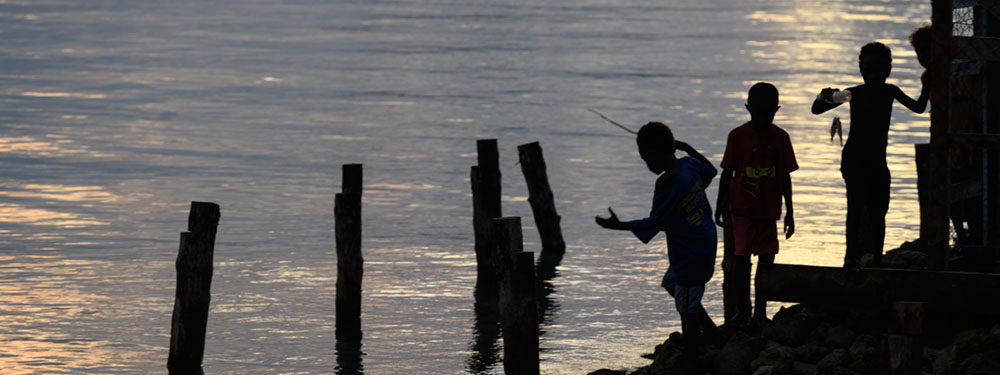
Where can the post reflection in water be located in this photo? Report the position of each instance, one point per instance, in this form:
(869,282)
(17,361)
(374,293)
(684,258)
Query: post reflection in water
(485,332)
(486,328)
(348,351)
(545,272)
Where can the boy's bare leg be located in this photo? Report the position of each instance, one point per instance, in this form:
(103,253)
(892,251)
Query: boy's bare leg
(741,287)
(690,332)
(760,306)
(708,328)
(730,300)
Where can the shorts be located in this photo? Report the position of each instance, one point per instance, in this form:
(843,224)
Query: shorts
(754,236)
(687,299)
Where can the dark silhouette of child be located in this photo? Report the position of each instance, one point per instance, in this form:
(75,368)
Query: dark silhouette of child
(863,163)
(681,209)
(755,178)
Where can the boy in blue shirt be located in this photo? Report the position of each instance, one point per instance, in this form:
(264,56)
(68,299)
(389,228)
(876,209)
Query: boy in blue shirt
(681,209)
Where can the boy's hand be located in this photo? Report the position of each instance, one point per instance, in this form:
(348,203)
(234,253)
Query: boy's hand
(611,222)
(827,93)
(720,216)
(789,226)
(682,146)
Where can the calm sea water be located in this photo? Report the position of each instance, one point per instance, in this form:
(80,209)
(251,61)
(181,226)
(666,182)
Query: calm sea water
(114,115)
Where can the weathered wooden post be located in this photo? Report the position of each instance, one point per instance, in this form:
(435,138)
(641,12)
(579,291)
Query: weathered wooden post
(350,264)
(485,206)
(540,196)
(902,347)
(934,219)
(921,153)
(518,309)
(194,280)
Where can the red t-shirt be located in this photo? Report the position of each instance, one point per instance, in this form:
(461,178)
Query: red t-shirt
(759,160)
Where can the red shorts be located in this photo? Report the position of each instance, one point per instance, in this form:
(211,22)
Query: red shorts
(754,236)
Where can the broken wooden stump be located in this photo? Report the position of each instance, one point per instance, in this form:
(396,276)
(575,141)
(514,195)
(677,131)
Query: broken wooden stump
(518,308)
(350,264)
(192,296)
(540,197)
(902,346)
(485,180)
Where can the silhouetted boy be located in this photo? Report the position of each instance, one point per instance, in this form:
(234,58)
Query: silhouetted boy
(755,178)
(680,209)
(863,163)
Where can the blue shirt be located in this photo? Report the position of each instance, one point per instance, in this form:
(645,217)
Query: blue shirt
(681,209)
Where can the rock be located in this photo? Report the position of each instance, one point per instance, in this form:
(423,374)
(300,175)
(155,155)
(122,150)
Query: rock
(801,368)
(945,363)
(905,259)
(971,341)
(668,355)
(981,364)
(863,356)
(867,260)
(832,362)
(818,335)
(915,245)
(765,370)
(810,353)
(992,340)
(776,356)
(839,337)
(863,320)
(791,330)
(736,355)
(605,371)
(788,312)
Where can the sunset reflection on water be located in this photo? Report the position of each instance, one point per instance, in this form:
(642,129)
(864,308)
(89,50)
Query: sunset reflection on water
(116,115)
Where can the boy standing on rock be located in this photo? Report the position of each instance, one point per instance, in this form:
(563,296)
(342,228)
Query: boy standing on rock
(755,178)
(681,209)
(862,162)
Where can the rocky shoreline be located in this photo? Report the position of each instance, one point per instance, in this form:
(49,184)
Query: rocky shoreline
(814,339)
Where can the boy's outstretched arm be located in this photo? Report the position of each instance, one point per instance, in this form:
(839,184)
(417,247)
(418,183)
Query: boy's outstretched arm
(722,202)
(820,106)
(705,178)
(786,192)
(610,222)
(918,105)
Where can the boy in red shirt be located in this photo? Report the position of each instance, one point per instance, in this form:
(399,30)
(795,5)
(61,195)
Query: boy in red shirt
(755,178)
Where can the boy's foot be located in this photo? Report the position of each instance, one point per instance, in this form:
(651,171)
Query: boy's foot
(852,265)
(739,320)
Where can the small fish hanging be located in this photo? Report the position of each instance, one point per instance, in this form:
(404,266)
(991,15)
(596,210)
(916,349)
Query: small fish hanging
(836,128)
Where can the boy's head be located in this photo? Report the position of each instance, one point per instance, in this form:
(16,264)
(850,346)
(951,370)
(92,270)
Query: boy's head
(656,146)
(762,102)
(875,61)
(920,39)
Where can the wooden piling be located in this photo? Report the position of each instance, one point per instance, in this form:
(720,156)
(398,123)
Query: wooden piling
(350,264)
(540,196)
(992,181)
(485,179)
(934,219)
(192,296)
(903,347)
(922,153)
(518,308)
